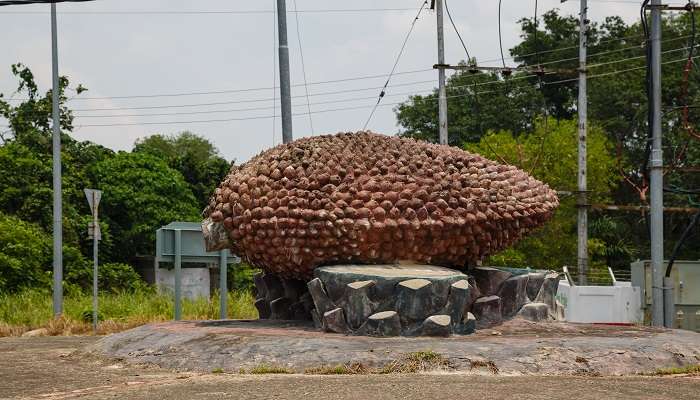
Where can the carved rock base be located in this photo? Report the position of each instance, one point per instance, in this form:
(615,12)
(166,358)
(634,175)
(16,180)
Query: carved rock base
(409,300)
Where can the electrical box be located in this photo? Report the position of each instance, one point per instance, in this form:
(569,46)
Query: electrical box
(686,281)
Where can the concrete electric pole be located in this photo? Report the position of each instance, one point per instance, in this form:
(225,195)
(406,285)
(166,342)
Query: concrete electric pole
(285,85)
(57,187)
(442,91)
(582,199)
(656,173)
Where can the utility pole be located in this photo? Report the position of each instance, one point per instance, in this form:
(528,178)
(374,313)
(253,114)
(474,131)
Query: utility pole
(582,202)
(285,86)
(656,173)
(442,92)
(93,197)
(223,284)
(57,190)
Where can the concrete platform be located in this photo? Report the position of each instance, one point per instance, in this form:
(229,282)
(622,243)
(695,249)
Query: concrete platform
(48,368)
(517,347)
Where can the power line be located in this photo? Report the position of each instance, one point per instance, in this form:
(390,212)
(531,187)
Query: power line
(536,25)
(453,88)
(601,53)
(500,34)
(303,68)
(349,108)
(449,15)
(242,12)
(524,76)
(639,57)
(204,12)
(247,100)
(255,89)
(28,2)
(355,78)
(396,62)
(616,72)
(274,70)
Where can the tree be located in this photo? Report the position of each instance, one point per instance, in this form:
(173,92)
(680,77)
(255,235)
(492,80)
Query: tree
(618,101)
(617,106)
(24,254)
(140,194)
(31,120)
(26,156)
(546,154)
(197,159)
(477,103)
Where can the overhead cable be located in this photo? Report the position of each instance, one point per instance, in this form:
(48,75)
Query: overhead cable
(303,68)
(396,62)
(449,15)
(350,108)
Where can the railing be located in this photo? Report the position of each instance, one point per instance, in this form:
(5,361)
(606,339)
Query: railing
(599,277)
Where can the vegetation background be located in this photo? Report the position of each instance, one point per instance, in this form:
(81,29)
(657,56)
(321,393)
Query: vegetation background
(526,120)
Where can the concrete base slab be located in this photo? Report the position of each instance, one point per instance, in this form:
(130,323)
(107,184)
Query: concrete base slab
(515,348)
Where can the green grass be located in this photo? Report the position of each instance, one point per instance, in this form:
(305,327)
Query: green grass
(32,309)
(688,369)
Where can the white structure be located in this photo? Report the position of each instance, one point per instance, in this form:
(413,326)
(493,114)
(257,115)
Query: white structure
(195,282)
(618,304)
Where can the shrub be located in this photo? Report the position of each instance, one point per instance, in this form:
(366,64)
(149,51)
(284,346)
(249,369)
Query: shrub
(25,254)
(114,277)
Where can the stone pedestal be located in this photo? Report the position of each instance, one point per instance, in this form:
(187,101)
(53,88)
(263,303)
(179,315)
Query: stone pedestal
(285,299)
(390,300)
(408,300)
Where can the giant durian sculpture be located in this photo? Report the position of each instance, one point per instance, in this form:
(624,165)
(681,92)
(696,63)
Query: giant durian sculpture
(371,199)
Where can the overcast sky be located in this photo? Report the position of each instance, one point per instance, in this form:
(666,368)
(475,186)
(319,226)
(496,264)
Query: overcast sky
(154,47)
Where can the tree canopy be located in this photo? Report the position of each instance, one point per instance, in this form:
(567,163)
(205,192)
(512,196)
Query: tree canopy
(497,114)
(193,156)
(165,178)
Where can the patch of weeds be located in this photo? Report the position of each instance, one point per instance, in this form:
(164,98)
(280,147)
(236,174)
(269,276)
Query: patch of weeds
(217,371)
(341,369)
(270,369)
(412,363)
(587,372)
(688,369)
(488,364)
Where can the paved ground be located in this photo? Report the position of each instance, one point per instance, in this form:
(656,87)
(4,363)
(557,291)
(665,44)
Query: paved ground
(517,347)
(43,368)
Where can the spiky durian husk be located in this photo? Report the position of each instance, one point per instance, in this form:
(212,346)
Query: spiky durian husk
(369,198)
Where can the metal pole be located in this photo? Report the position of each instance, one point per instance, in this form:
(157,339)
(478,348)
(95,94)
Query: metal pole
(669,303)
(285,89)
(442,103)
(582,148)
(178,275)
(223,285)
(94,262)
(57,190)
(656,173)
